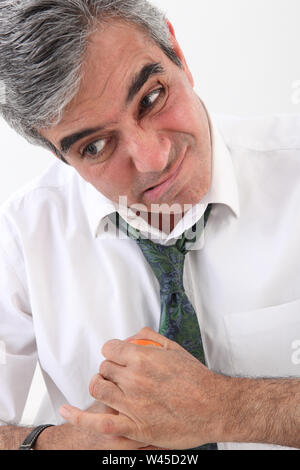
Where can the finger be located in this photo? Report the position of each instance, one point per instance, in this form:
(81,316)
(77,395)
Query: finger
(107,424)
(106,392)
(111,371)
(149,333)
(117,351)
(124,353)
(120,352)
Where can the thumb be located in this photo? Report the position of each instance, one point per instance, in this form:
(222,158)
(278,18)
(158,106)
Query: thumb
(107,424)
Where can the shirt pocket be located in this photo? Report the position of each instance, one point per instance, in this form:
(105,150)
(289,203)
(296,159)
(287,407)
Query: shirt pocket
(265,342)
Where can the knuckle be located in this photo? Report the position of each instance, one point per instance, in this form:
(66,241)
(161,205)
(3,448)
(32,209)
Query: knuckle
(103,368)
(94,387)
(77,420)
(105,394)
(139,360)
(110,346)
(101,391)
(107,426)
(146,330)
(170,344)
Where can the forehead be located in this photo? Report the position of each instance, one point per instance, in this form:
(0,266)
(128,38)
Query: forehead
(115,53)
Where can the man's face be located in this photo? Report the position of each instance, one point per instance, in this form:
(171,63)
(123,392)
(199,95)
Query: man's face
(137,127)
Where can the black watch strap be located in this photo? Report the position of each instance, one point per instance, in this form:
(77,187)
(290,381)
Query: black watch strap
(32,437)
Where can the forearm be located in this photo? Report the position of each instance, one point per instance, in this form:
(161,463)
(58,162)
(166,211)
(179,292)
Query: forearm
(264,411)
(11,437)
(55,437)
(63,437)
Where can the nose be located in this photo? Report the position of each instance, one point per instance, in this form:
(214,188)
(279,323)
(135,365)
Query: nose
(148,151)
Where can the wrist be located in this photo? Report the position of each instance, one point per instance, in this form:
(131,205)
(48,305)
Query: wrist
(224,423)
(230,424)
(31,438)
(245,414)
(54,438)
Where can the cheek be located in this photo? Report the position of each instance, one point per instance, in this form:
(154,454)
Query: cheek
(183,114)
(93,175)
(112,181)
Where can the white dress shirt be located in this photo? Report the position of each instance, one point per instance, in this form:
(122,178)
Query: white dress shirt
(67,285)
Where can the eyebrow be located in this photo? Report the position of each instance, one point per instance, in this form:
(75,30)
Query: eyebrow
(141,78)
(67,142)
(136,85)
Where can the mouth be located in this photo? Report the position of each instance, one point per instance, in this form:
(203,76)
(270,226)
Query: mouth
(158,190)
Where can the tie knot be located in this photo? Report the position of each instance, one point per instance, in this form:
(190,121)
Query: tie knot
(167,263)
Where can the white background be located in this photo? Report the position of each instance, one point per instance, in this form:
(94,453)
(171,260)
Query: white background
(244,55)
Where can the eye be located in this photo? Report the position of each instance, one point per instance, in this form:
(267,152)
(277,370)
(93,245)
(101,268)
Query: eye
(95,149)
(150,100)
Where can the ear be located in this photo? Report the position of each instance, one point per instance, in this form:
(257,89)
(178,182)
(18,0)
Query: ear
(179,53)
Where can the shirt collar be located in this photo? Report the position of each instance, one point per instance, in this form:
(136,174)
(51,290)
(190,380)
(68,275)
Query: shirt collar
(98,207)
(223,190)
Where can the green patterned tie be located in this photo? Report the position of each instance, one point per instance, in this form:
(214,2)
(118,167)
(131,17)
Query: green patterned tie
(178,320)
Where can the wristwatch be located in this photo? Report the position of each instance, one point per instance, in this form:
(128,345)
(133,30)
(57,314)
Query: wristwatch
(32,437)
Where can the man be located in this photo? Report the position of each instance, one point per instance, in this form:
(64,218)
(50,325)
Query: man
(105,86)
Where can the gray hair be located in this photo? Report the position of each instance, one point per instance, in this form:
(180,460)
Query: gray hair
(42,47)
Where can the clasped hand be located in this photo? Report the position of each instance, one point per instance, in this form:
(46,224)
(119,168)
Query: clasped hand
(154,397)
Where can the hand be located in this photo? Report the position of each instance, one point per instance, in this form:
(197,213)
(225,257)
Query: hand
(164,396)
(87,438)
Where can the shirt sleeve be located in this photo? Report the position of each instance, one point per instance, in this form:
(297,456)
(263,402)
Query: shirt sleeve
(18,356)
